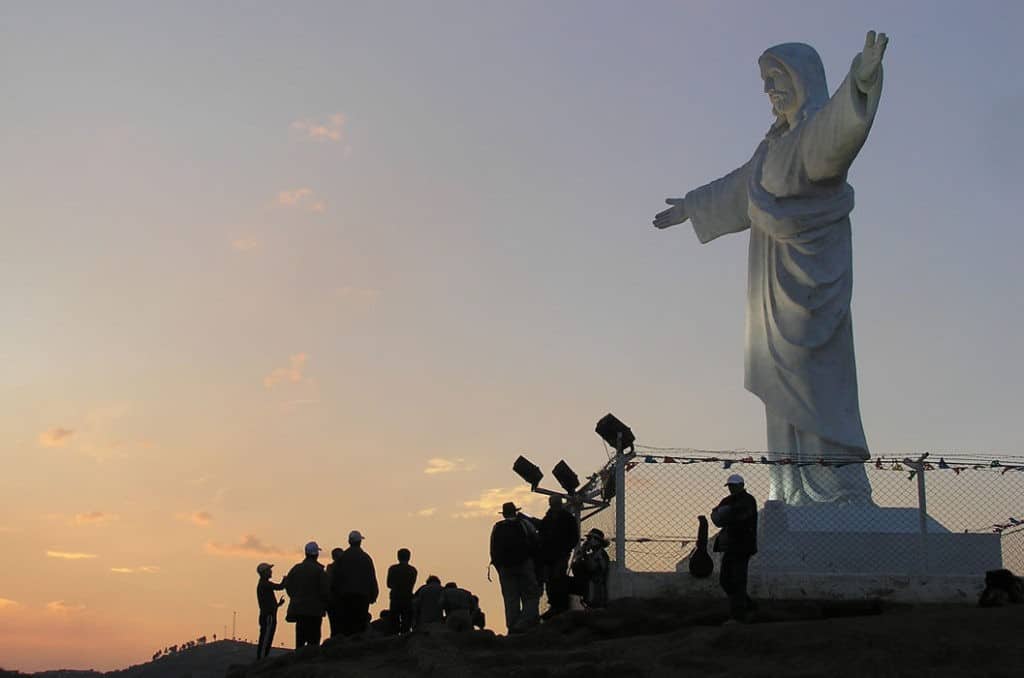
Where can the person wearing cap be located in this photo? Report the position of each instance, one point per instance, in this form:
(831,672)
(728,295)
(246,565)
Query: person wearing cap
(737,542)
(401,581)
(358,587)
(514,546)
(306,584)
(590,570)
(268,608)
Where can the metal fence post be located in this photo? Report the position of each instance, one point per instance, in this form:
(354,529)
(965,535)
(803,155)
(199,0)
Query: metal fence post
(922,512)
(620,507)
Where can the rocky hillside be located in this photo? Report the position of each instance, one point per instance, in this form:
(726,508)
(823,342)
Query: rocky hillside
(650,638)
(679,638)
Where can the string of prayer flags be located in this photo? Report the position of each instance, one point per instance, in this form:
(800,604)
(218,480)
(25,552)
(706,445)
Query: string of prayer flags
(880,463)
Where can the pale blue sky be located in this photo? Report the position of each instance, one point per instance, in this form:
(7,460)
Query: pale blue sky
(479,276)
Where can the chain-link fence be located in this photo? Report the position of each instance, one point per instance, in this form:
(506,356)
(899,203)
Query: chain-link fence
(952,516)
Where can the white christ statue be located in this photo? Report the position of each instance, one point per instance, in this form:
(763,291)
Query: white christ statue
(793,197)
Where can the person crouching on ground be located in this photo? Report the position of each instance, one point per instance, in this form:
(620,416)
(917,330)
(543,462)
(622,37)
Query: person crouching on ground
(459,607)
(514,545)
(306,583)
(426,604)
(268,608)
(737,542)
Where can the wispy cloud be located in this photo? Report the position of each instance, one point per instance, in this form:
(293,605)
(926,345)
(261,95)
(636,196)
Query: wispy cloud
(302,198)
(55,437)
(7,603)
(291,374)
(66,555)
(440,465)
(424,513)
(143,569)
(62,607)
(488,505)
(201,518)
(245,244)
(93,518)
(331,130)
(250,546)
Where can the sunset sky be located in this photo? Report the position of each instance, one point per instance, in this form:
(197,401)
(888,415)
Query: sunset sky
(273,272)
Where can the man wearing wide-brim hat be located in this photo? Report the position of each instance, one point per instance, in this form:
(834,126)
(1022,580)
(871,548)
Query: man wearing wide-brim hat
(737,542)
(514,545)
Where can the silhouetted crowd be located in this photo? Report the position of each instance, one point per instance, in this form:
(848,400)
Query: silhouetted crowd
(344,590)
(530,554)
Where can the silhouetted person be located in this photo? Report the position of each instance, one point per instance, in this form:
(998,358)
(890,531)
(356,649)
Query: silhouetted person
(359,587)
(401,581)
(737,541)
(559,535)
(514,545)
(590,570)
(334,585)
(426,603)
(459,607)
(306,583)
(268,609)
(385,623)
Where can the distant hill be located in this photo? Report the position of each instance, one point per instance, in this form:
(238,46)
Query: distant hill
(202,661)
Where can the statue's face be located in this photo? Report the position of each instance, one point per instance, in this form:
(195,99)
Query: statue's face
(779,87)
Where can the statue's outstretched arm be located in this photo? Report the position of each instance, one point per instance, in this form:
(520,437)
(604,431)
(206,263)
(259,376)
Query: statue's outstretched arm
(835,134)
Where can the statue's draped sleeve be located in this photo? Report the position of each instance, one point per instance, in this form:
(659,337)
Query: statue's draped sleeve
(835,134)
(720,207)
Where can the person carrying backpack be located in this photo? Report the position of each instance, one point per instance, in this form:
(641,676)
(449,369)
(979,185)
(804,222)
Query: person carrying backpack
(514,546)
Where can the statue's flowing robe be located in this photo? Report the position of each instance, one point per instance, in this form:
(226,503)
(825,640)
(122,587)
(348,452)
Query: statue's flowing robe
(793,197)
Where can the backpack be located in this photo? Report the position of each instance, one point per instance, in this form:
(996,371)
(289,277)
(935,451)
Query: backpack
(514,542)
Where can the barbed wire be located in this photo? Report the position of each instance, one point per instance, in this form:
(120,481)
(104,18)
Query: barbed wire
(960,456)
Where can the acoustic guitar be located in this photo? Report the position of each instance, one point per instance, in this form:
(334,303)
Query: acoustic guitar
(701,565)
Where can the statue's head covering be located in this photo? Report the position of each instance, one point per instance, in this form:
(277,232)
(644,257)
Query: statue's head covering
(808,73)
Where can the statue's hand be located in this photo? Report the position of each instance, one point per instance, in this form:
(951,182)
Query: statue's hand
(871,56)
(673,215)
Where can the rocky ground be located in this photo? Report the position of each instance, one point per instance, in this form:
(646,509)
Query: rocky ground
(678,637)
